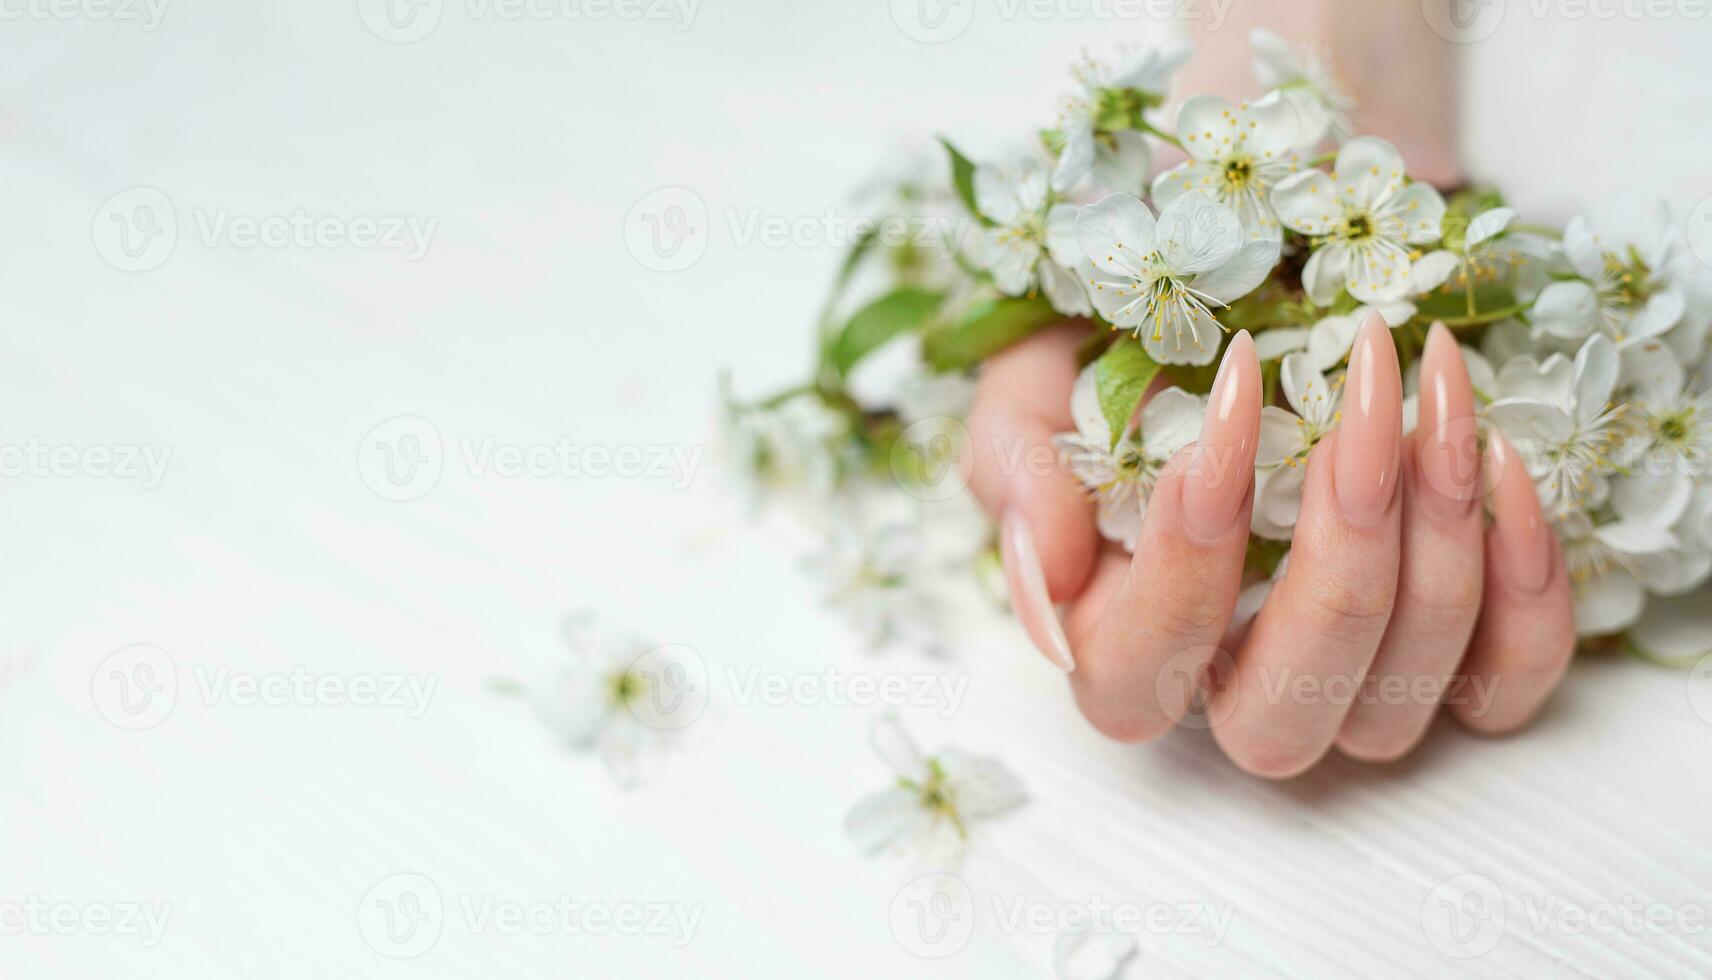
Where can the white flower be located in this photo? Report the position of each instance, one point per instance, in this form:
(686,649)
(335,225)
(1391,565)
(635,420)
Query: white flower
(1119,160)
(1488,253)
(1121,477)
(798,444)
(1629,286)
(1676,629)
(1604,558)
(1236,155)
(873,572)
(1286,440)
(1364,218)
(1160,276)
(1028,244)
(618,695)
(933,801)
(1669,419)
(1328,341)
(1307,80)
(1559,418)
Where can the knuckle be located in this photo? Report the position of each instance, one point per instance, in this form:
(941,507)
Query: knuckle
(1359,610)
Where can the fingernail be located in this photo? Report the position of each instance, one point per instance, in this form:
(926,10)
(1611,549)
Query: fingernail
(1218,476)
(1524,540)
(1447,440)
(1027,580)
(1372,426)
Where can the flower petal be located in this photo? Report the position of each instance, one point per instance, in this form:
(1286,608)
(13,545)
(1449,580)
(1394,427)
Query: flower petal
(1270,345)
(1239,276)
(1125,164)
(980,786)
(1596,367)
(1566,309)
(885,819)
(1486,224)
(1307,202)
(1414,214)
(1368,171)
(1075,160)
(1115,233)
(1677,628)
(895,747)
(1280,435)
(1607,603)
(1198,234)
(1326,272)
(1170,421)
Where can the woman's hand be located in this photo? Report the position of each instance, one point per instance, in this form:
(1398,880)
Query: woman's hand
(1394,600)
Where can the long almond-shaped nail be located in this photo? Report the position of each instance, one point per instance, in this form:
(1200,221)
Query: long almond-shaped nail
(1447,441)
(1524,541)
(1372,428)
(1218,475)
(1027,580)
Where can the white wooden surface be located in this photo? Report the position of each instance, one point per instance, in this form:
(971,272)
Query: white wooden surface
(527,321)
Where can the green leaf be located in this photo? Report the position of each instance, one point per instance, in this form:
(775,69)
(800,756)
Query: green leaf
(963,179)
(1121,376)
(985,330)
(1454,305)
(897,312)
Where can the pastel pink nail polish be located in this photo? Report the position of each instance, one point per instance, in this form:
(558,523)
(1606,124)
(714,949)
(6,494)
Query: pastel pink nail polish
(1219,474)
(1027,580)
(1524,541)
(1447,441)
(1368,438)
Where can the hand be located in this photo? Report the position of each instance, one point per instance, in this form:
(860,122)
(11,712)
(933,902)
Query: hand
(1388,598)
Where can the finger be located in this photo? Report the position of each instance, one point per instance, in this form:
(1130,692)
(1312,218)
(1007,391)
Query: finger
(1141,652)
(1439,572)
(1526,632)
(1311,643)
(1047,533)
